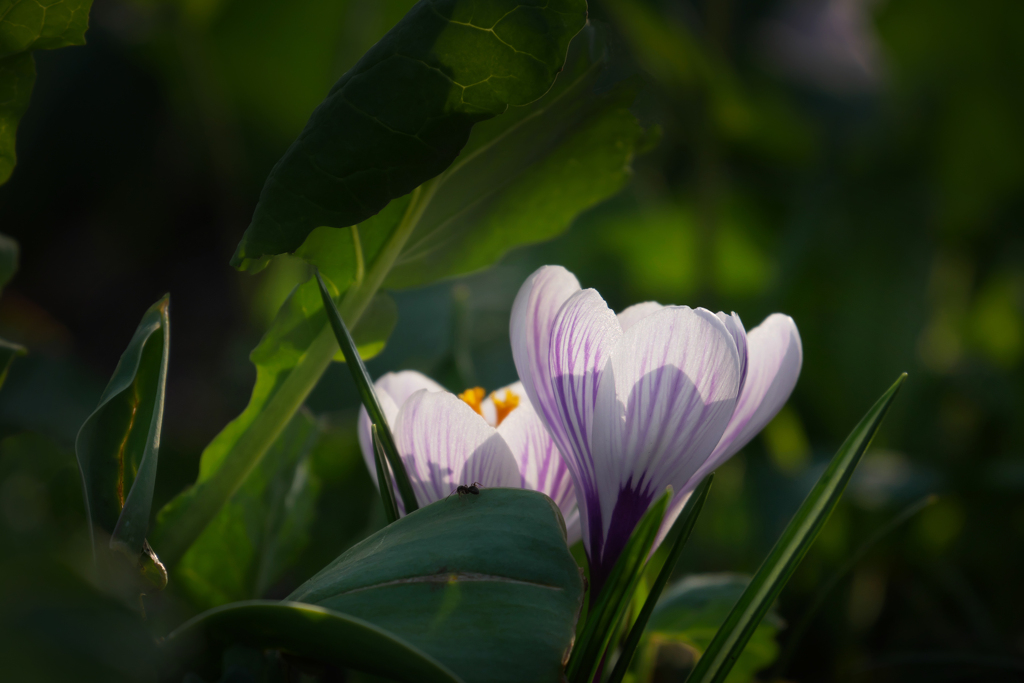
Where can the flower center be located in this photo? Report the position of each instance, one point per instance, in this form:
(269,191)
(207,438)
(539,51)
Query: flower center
(474,398)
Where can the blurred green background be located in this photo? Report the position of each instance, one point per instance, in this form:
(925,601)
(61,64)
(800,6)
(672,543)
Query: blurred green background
(857,164)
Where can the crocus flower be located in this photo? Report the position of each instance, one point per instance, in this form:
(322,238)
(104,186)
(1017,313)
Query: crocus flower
(446,441)
(651,397)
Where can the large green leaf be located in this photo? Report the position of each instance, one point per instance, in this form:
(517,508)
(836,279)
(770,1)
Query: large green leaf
(118,446)
(401,115)
(483,583)
(27,25)
(723,652)
(262,529)
(42,24)
(693,610)
(307,631)
(17,76)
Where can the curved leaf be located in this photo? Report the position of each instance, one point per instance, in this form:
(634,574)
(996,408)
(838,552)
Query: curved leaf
(315,633)
(401,115)
(118,446)
(483,583)
(791,547)
(17,76)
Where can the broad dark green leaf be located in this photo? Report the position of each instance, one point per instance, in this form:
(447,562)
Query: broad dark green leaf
(796,540)
(311,632)
(484,584)
(679,533)
(17,76)
(364,385)
(692,611)
(42,24)
(401,115)
(608,609)
(262,529)
(27,25)
(118,446)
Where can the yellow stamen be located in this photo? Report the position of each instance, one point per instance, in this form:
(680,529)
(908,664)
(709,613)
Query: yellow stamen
(473,397)
(506,406)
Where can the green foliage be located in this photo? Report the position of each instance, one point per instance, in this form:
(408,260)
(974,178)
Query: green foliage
(8,266)
(694,609)
(679,533)
(403,113)
(609,606)
(730,640)
(27,25)
(263,528)
(118,446)
(311,632)
(381,430)
(451,576)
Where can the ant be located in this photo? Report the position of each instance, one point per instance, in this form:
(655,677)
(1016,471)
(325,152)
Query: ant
(463,490)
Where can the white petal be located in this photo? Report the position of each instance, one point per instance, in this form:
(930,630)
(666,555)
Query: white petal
(533,315)
(664,400)
(392,389)
(445,444)
(630,316)
(739,335)
(541,466)
(775,355)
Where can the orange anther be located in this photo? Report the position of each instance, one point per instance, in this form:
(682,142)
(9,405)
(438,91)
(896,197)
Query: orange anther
(473,397)
(504,406)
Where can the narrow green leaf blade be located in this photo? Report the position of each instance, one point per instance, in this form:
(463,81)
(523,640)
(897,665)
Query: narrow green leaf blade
(385,483)
(9,253)
(365,386)
(32,25)
(483,583)
(791,547)
(312,632)
(610,606)
(8,352)
(118,445)
(401,115)
(680,532)
(262,529)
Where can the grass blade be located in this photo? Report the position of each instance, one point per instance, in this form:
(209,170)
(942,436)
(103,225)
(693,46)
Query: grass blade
(365,385)
(615,596)
(716,662)
(681,532)
(384,481)
(797,632)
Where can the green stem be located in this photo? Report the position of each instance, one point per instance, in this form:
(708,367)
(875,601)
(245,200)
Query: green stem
(247,453)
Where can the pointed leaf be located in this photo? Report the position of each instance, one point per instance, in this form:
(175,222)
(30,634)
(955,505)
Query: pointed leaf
(680,532)
(311,632)
(118,446)
(791,547)
(387,484)
(483,583)
(401,115)
(369,397)
(262,529)
(610,606)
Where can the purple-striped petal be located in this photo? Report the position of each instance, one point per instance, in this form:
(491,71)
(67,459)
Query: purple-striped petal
(392,390)
(445,444)
(533,315)
(664,399)
(541,467)
(637,312)
(775,355)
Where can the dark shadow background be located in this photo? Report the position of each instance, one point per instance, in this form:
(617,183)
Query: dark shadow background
(856,164)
